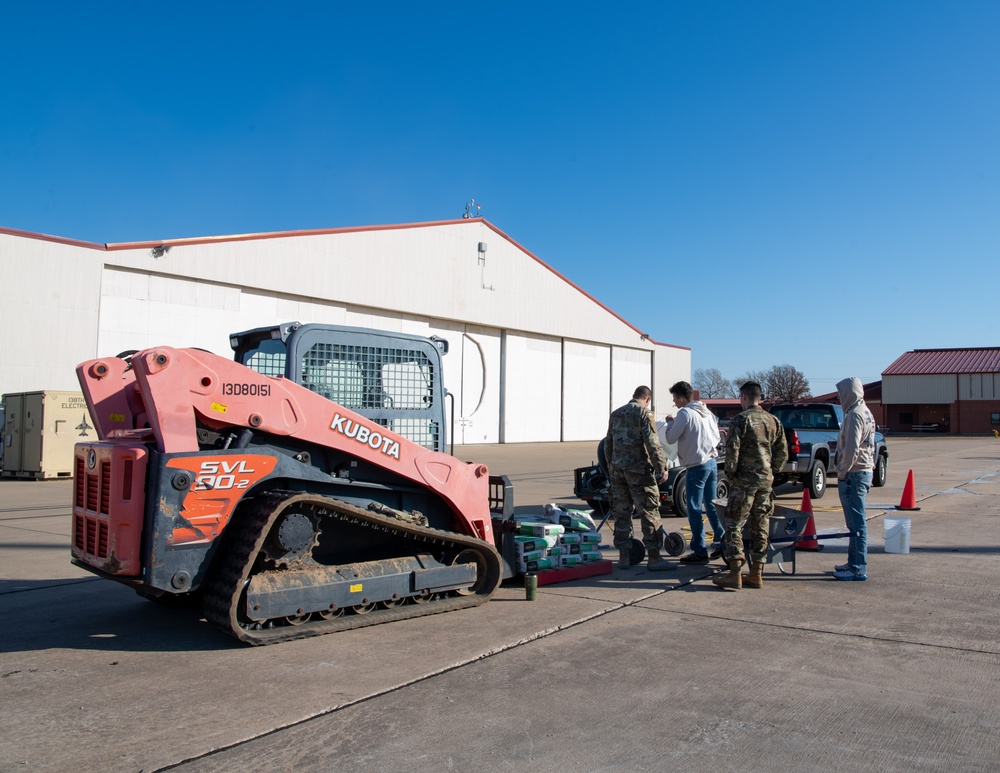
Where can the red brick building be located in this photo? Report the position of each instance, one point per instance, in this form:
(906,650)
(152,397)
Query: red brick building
(723,407)
(943,390)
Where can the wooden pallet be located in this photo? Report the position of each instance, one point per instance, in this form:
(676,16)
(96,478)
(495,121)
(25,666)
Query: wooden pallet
(551,576)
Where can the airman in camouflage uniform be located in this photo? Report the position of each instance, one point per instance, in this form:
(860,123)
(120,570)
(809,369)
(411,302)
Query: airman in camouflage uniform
(755,451)
(636,462)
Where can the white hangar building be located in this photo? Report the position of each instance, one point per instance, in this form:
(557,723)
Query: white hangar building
(532,357)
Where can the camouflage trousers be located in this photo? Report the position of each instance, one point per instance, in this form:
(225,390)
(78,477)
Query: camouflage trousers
(636,490)
(752,508)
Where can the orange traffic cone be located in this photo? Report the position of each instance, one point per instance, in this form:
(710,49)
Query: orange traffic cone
(909,500)
(811,543)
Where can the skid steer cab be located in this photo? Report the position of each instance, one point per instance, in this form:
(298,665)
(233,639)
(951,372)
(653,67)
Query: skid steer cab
(301,488)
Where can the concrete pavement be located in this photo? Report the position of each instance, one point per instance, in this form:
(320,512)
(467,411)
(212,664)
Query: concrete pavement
(624,672)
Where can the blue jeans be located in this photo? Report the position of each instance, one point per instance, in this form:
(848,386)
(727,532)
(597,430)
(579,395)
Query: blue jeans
(702,485)
(853,489)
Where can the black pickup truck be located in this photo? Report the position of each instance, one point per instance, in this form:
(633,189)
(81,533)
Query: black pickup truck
(811,430)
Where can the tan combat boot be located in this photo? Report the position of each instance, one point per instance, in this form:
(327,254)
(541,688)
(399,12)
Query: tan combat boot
(756,577)
(656,563)
(624,558)
(733,580)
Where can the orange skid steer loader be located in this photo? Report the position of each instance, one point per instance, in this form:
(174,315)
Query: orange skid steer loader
(301,489)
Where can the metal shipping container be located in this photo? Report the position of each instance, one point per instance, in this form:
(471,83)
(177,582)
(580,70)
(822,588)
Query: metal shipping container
(40,430)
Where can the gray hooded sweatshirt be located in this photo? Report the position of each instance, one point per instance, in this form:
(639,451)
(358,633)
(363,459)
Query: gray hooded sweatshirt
(856,441)
(695,430)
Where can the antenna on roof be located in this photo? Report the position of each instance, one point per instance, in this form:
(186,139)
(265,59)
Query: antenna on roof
(468,210)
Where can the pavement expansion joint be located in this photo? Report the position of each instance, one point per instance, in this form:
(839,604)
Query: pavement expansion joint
(55,510)
(395,688)
(63,584)
(844,634)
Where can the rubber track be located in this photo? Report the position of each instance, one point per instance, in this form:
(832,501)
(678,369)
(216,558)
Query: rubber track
(245,535)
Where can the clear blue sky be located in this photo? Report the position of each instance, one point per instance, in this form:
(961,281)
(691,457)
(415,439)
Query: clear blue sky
(804,182)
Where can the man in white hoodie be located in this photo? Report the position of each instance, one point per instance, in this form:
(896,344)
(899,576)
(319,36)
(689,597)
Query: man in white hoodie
(855,459)
(695,430)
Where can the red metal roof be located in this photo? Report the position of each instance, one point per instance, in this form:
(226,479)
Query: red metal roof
(927,362)
(872,394)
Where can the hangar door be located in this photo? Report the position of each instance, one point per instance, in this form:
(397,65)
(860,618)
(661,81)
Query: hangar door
(478,404)
(532,388)
(140,309)
(629,369)
(586,390)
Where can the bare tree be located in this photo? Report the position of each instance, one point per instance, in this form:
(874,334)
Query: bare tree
(760,376)
(780,384)
(710,383)
(785,384)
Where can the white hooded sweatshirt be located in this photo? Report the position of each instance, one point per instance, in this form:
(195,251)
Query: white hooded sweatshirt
(856,441)
(695,430)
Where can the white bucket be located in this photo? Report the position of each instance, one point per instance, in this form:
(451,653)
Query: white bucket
(896,533)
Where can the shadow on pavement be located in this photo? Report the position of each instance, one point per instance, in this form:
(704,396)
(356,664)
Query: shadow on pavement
(92,614)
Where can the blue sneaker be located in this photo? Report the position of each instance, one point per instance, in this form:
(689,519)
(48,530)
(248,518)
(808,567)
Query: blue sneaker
(849,575)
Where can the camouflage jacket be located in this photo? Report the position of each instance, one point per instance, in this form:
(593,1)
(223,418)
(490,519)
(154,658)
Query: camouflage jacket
(632,443)
(755,449)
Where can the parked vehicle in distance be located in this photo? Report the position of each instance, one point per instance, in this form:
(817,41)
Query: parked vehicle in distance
(811,430)
(591,484)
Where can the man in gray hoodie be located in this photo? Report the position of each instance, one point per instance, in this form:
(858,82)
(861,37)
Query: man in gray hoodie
(855,459)
(695,430)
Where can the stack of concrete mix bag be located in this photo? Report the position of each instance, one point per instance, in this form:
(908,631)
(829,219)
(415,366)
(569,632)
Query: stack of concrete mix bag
(556,538)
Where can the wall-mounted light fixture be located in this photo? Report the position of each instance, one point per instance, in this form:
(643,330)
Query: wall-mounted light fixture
(159,252)
(644,337)
(481,249)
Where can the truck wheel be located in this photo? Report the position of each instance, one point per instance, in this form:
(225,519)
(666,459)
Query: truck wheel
(817,480)
(881,470)
(679,495)
(722,490)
